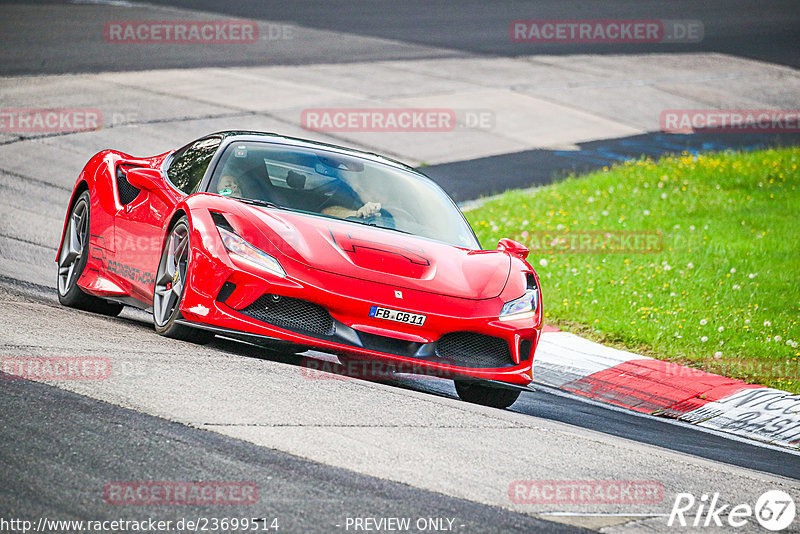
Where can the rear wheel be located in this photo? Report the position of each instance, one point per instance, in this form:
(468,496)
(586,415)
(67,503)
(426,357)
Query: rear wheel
(171,277)
(486,395)
(72,261)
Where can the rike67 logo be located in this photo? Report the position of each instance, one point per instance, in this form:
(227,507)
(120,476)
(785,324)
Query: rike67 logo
(774,510)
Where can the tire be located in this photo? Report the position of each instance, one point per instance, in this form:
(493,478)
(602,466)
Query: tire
(486,395)
(171,276)
(72,261)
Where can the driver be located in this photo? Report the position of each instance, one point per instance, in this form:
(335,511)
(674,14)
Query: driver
(370,209)
(346,202)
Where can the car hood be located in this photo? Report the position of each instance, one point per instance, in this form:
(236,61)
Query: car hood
(385,256)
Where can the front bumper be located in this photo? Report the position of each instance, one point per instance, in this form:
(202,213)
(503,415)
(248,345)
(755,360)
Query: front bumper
(460,337)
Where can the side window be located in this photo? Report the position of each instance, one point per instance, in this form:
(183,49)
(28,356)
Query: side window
(189,164)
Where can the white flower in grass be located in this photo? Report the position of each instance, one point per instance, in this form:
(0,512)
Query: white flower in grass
(543,262)
(646,212)
(690,265)
(752,275)
(733,270)
(704,339)
(703,321)
(737,287)
(747,321)
(767,323)
(778,338)
(721,329)
(718,355)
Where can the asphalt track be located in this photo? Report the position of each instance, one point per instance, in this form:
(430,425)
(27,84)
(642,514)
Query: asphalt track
(767,30)
(546,403)
(63,448)
(321,451)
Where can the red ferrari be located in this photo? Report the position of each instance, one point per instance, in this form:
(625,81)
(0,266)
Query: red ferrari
(274,239)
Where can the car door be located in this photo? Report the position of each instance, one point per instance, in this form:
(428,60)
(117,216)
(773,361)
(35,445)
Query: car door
(139,225)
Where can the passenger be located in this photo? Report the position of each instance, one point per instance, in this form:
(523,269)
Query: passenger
(228,185)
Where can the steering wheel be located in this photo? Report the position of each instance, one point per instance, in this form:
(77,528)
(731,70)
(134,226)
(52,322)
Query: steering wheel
(331,187)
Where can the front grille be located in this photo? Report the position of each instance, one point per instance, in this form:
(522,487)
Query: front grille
(469,349)
(291,314)
(389,345)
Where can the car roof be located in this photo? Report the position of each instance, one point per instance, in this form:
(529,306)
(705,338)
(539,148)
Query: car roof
(246,135)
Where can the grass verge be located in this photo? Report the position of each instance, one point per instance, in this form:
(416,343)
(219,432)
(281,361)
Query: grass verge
(692,259)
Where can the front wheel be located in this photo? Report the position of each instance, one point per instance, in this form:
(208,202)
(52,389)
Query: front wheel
(171,277)
(486,395)
(72,261)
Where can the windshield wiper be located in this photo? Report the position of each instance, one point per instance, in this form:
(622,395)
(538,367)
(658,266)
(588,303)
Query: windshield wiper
(376,225)
(258,202)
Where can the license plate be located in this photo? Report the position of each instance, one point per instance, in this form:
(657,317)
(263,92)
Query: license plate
(396,315)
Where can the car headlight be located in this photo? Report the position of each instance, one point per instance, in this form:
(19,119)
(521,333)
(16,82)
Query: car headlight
(243,251)
(521,308)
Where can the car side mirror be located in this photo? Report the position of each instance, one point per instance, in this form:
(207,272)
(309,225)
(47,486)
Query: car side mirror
(515,248)
(144,178)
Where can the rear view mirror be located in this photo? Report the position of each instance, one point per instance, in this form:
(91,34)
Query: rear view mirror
(514,248)
(144,178)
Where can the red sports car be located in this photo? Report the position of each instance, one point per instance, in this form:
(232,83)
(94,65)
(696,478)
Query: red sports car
(276,240)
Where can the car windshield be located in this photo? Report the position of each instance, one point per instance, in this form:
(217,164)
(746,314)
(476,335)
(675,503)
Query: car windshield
(340,186)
